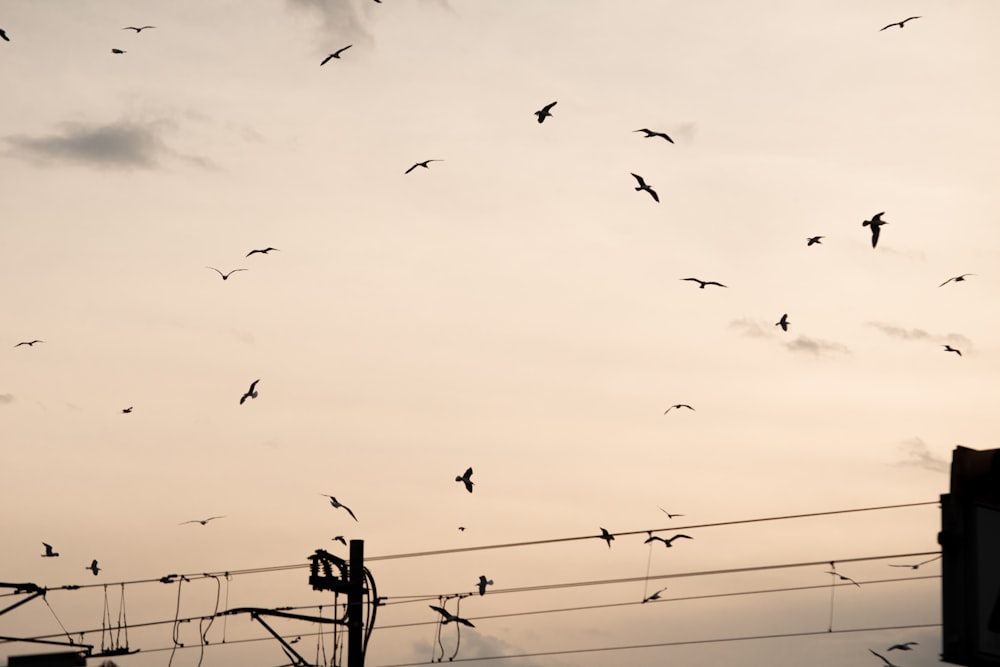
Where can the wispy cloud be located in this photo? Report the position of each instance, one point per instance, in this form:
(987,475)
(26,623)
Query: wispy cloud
(815,346)
(750,328)
(342,18)
(918,454)
(920,334)
(125,144)
(6,399)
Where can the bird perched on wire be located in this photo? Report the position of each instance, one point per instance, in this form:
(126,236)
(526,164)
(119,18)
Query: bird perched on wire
(876,224)
(650,134)
(466,478)
(49,551)
(702,283)
(339,505)
(425,164)
(483,583)
(335,54)
(449,617)
(203,521)
(251,392)
(900,24)
(667,541)
(643,186)
(783,322)
(606,536)
(545,112)
(93,567)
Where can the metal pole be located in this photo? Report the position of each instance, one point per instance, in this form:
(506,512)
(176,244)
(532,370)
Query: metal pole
(355,604)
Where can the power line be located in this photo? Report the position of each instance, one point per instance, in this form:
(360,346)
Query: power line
(688,642)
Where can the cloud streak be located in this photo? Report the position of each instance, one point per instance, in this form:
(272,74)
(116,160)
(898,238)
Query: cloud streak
(919,334)
(805,344)
(6,399)
(917,454)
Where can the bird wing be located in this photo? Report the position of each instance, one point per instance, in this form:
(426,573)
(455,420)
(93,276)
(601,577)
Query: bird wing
(880,30)
(336,54)
(3,36)
(443,612)
(637,177)
(412,168)
(712,282)
(326,60)
(946,282)
(882,658)
(350,512)
(875,233)
(548,107)
(462,621)
(216,270)
(653,194)
(253,385)
(682,535)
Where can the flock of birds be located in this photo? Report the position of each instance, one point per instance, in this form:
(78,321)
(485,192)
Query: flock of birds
(875,224)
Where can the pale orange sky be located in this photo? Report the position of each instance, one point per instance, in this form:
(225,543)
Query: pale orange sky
(516,307)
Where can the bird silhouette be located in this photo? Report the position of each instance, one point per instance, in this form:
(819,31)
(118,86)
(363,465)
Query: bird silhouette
(262,251)
(466,478)
(905,646)
(702,283)
(606,536)
(900,24)
(138,30)
(251,392)
(335,54)
(339,538)
(957,279)
(449,617)
(642,186)
(545,112)
(127,411)
(483,583)
(225,276)
(202,521)
(876,224)
(650,134)
(49,552)
(654,596)
(117,52)
(423,164)
(669,515)
(813,240)
(949,348)
(29,343)
(338,505)
(843,578)
(678,406)
(3,35)
(93,567)
(915,566)
(667,541)
(882,658)
(783,322)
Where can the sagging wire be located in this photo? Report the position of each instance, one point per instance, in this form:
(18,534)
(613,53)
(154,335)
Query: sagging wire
(226,617)
(177,625)
(448,617)
(65,631)
(202,627)
(320,640)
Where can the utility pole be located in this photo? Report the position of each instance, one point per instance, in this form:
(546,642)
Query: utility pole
(355,603)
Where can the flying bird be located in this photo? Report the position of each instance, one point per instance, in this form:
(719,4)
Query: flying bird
(669,515)
(667,541)
(251,392)
(843,578)
(905,646)
(812,240)
(202,521)
(914,566)
(338,505)
(49,552)
(483,583)
(606,536)
(900,24)
(127,411)
(339,538)
(882,658)
(3,35)
(423,164)
(678,406)
(783,322)
(654,596)
(449,617)
(949,348)
(225,276)
(957,279)
(117,51)
(335,54)
(642,186)
(263,251)
(876,223)
(544,112)
(138,30)
(466,478)
(702,283)
(93,567)
(650,134)
(29,343)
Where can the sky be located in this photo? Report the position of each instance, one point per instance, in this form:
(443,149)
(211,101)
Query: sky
(517,307)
